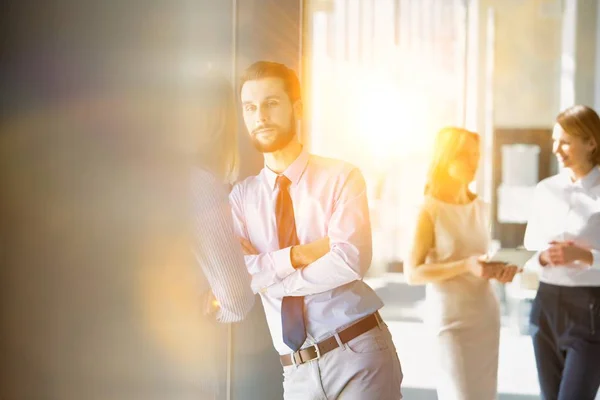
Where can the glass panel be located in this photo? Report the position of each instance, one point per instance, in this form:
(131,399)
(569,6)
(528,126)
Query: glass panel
(520,171)
(520,164)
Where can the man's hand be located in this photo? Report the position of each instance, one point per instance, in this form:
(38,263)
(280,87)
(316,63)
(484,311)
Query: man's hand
(247,247)
(305,254)
(567,253)
(300,256)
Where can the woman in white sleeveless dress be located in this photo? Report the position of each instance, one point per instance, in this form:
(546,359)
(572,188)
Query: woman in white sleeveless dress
(447,254)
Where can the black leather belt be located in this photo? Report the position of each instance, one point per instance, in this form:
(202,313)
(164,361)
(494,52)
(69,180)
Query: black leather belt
(316,351)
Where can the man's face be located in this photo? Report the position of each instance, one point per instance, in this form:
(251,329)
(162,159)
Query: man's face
(268,114)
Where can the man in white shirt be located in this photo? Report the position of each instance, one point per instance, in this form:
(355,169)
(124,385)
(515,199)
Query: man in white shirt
(304,225)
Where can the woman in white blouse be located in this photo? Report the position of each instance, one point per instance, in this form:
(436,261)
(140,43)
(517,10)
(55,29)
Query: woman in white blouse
(450,244)
(564,229)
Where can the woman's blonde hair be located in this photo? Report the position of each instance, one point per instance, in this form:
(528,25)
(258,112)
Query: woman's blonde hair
(582,122)
(219,150)
(448,143)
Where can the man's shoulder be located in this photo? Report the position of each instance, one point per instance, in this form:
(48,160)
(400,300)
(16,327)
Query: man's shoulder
(240,187)
(333,166)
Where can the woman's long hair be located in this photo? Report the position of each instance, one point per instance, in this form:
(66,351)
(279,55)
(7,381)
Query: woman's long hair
(448,144)
(218,150)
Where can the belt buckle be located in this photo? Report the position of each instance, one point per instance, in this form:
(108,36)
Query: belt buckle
(317,350)
(294,363)
(293,356)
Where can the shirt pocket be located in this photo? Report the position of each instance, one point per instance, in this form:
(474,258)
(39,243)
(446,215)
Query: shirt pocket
(261,226)
(311,217)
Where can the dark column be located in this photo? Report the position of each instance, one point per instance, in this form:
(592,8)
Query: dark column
(266,30)
(86,89)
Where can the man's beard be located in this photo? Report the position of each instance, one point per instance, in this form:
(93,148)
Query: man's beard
(282,138)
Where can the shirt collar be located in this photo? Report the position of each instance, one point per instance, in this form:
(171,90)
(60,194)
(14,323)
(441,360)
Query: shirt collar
(588,181)
(293,172)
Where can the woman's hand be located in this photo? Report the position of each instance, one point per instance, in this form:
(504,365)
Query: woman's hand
(507,273)
(210,304)
(483,269)
(567,253)
(544,258)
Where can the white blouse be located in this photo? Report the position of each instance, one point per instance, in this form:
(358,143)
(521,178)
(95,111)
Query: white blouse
(565,210)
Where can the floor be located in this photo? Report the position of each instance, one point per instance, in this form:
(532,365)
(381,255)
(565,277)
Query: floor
(517,373)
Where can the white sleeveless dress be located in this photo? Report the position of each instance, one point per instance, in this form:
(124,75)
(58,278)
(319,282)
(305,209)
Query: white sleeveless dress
(463,312)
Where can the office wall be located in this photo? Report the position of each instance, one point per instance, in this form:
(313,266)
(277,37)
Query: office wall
(527,64)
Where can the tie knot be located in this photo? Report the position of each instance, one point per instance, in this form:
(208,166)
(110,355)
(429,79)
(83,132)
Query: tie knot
(283,182)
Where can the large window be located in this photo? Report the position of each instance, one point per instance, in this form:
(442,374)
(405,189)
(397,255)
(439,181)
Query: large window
(384,76)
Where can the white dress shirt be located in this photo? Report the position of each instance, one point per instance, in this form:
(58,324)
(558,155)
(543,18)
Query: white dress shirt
(330,199)
(566,210)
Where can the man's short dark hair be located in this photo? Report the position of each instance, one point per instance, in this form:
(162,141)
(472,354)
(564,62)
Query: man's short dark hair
(269,69)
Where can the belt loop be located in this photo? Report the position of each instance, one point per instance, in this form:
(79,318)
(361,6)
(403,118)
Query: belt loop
(336,335)
(378,319)
(294,362)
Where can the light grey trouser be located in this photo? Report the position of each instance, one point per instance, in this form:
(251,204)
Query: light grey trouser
(365,368)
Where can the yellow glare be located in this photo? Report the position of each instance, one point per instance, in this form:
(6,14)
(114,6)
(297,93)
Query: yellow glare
(372,118)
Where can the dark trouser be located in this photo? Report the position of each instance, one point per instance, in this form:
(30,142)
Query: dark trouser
(566,341)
